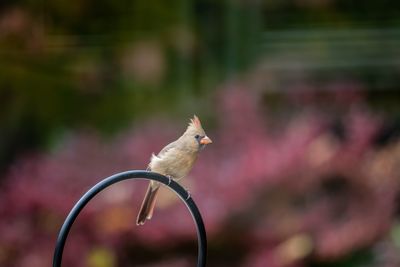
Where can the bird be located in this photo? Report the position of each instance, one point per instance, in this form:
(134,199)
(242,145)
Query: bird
(175,161)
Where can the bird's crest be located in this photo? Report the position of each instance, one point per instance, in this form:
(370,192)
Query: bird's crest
(195,122)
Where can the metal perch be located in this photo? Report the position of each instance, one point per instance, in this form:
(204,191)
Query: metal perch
(135,174)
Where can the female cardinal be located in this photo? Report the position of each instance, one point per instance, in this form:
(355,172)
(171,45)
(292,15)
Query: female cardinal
(175,161)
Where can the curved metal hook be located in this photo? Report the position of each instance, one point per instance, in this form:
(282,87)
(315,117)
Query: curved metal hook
(134,174)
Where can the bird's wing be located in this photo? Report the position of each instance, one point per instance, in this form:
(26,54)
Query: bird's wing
(162,159)
(166,149)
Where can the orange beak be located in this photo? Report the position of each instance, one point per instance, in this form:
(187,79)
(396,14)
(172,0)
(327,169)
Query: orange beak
(205,140)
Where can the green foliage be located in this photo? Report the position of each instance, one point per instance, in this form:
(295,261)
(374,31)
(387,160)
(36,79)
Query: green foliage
(102,64)
(357,259)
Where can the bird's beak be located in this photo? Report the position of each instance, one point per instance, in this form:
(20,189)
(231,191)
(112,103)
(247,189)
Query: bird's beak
(205,140)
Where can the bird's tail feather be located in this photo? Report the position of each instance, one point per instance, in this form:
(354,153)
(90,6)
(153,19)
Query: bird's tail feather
(149,201)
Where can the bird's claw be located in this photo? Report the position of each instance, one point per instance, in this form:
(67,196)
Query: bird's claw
(169,179)
(188,195)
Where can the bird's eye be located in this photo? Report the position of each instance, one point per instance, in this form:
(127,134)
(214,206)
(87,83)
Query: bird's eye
(197,136)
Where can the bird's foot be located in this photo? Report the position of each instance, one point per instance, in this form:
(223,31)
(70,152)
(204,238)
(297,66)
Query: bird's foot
(169,179)
(188,194)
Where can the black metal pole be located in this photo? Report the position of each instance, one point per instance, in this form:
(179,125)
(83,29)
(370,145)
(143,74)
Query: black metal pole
(135,174)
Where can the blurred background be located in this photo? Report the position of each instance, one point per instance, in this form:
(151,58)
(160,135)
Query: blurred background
(301,99)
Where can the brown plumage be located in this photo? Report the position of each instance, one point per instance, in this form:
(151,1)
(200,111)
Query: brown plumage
(175,160)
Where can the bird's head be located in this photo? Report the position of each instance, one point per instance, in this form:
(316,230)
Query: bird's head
(195,135)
